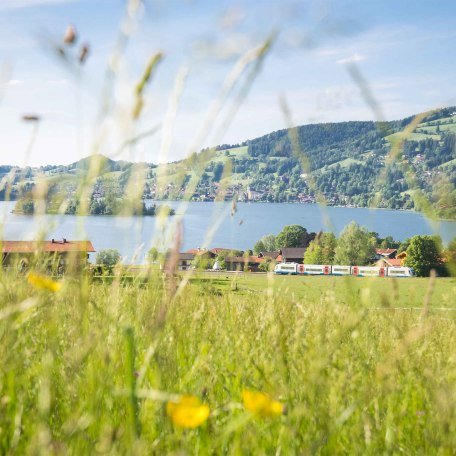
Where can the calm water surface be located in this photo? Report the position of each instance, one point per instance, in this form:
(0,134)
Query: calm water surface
(211,224)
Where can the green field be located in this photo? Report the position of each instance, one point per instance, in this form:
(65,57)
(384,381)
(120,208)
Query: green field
(372,292)
(90,368)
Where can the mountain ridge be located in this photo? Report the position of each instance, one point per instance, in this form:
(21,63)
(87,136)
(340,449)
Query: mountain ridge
(342,163)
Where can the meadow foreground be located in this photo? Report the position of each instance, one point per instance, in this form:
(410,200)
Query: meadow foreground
(101,366)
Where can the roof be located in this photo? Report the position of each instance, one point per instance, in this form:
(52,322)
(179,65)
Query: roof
(217,250)
(385,252)
(186,256)
(199,251)
(293,252)
(250,259)
(46,246)
(394,261)
(272,255)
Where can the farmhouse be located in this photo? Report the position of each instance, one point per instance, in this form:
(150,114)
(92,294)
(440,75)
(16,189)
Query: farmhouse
(185,261)
(385,253)
(247,263)
(60,255)
(276,256)
(200,251)
(389,262)
(293,254)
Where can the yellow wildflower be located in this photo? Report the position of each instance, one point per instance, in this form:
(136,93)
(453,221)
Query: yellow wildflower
(187,412)
(261,404)
(42,282)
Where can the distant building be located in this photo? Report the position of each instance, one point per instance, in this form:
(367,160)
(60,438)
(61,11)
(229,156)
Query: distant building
(385,253)
(247,263)
(199,251)
(185,261)
(253,195)
(293,254)
(217,250)
(56,255)
(389,262)
(276,256)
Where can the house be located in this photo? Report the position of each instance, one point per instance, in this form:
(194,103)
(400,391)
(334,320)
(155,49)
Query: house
(389,262)
(60,255)
(276,256)
(385,253)
(247,263)
(199,251)
(185,261)
(217,250)
(293,254)
(272,255)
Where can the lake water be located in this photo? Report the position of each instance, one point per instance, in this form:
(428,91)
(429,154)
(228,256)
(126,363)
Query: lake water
(214,225)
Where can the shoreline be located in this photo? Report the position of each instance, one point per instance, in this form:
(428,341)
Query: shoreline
(242,202)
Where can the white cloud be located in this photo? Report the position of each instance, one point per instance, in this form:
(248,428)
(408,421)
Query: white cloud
(62,81)
(352,59)
(12,82)
(15,4)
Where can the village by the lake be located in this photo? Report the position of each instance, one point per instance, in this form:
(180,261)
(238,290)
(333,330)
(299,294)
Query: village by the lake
(227,227)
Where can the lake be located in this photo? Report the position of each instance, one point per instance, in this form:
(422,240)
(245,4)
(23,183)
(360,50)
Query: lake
(214,225)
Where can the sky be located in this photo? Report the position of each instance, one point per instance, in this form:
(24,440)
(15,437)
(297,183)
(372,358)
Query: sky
(209,88)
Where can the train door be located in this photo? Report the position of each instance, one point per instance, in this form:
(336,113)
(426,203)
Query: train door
(355,270)
(326,270)
(382,272)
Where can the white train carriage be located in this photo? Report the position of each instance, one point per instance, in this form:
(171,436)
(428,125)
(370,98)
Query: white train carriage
(314,269)
(341,270)
(286,268)
(400,272)
(368,271)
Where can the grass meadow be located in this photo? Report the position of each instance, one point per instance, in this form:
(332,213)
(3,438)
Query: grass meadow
(90,368)
(155,363)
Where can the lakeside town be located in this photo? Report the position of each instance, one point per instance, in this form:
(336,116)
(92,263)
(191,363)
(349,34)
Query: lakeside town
(355,246)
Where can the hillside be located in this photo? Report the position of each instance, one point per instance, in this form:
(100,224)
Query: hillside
(340,163)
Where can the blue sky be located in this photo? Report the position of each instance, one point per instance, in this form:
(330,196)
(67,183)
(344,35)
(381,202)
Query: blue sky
(404,49)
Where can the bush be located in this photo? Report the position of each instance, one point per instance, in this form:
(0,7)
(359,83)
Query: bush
(108,258)
(424,254)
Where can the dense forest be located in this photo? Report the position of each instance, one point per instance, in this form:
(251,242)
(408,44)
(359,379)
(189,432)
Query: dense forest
(358,163)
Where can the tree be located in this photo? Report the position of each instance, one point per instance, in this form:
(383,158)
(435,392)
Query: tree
(152,255)
(269,242)
(203,261)
(321,249)
(328,243)
(424,254)
(259,247)
(266,266)
(389,243)
(108,258)
(403,246)
(293,236)
(25,206)
(450,255)
(265,244)
(218,171)
(355,246)
(314,254)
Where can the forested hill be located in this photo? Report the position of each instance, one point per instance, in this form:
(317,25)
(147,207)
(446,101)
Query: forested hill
(323,144)
(347,166)
(342,163)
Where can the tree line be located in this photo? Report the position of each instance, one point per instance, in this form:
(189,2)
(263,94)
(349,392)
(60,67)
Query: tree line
(356,245)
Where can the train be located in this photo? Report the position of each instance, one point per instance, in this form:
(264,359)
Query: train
(339,270)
